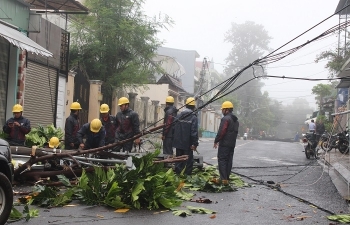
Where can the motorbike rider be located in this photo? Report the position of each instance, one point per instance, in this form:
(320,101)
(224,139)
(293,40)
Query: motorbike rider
(128,125)
(17,126)
(168,131)
(71,127)
(108,122)
(312,126)
(95,135)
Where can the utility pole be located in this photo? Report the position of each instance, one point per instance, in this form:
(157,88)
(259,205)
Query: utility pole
(201,88)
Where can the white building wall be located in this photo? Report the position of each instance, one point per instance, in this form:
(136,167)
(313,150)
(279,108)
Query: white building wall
(61,102)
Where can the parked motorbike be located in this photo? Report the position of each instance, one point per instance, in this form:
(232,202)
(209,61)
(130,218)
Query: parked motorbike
(310,144)
(343,142)
(328,141)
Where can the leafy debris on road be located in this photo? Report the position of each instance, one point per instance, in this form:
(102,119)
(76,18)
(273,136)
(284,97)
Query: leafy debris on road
(148,186)
(200,210)
(207,180)
(181,212)
(342,218)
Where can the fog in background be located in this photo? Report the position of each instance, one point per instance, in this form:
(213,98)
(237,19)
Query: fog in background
(201,26)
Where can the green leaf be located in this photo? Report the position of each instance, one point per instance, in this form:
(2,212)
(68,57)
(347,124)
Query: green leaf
(65,181)
(15,214)
(200,210)
(184,195)
(182,213)
(169,202)
(136,191)
(30,213)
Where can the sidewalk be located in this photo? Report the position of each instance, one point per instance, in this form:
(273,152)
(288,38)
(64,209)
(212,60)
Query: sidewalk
(339,171)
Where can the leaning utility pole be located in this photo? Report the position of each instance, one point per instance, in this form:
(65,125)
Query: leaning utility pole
(202,81)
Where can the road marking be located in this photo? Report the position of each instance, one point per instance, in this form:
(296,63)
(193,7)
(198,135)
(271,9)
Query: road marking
(243,144)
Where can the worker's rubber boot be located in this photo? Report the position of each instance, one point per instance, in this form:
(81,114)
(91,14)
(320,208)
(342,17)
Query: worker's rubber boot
(215,180)
(224,182)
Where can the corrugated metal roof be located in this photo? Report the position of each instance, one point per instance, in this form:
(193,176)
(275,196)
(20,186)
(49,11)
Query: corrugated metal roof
(57,5)
(342,4)
(167,79)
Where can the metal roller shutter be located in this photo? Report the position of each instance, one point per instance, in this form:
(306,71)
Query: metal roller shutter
(40,94)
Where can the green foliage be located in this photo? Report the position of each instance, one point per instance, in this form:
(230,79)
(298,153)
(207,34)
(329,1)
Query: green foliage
(327,124)
(41,135)
(30,213)
(116,42)
(200,210)
(3,135)
(201,180)
(344,218)
(336,59)
(27,213)
(181,212)
(15,214)
(321,91)
(149,186)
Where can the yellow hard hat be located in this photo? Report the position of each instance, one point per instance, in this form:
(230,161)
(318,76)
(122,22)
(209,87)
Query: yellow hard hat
(95,125)
(75,106)
(227,105)
(17,108)
(54,142)
(169,99)
(190,101)
(104,108)
(123,101)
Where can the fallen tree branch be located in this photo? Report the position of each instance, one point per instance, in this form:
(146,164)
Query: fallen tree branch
(26,166)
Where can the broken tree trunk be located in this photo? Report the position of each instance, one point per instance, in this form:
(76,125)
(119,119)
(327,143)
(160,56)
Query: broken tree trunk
(26,166)
(36,175)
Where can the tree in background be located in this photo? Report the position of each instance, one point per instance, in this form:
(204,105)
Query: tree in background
(321,91)
(256,110)
(116,42)
(336,59)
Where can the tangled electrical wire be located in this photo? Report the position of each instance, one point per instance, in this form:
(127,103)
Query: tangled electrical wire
(226,86)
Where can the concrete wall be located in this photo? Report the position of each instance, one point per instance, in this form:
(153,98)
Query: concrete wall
(157,92)
(94,99)
(69,92)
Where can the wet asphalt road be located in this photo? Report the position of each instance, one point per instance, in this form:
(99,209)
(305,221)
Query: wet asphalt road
(304,182)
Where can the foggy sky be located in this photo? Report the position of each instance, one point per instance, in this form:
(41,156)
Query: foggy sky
(201,26)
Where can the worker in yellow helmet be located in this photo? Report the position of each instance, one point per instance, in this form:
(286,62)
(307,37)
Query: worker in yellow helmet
(94,133)
(72,126)
(186,136)
(226,139)
(128,125)
(17,127)
(109,123)
(170,113)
